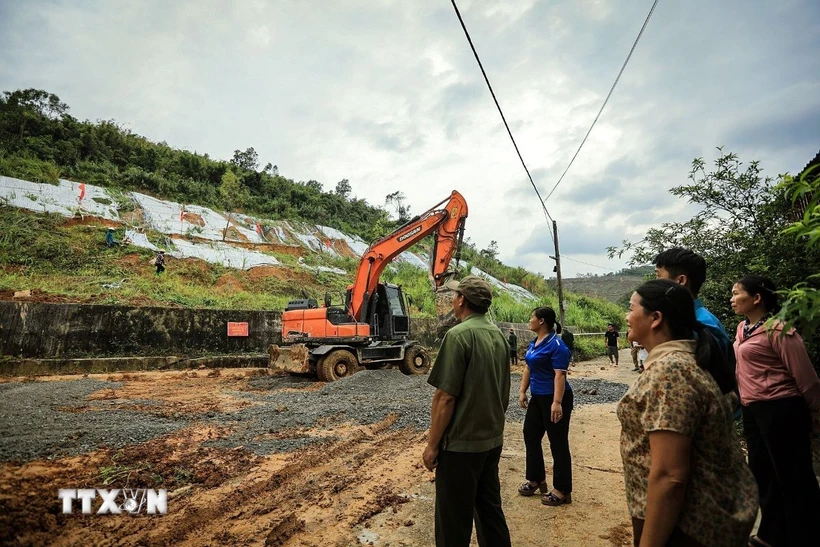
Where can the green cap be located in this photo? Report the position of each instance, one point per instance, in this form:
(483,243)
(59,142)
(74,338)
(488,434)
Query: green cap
(474,289)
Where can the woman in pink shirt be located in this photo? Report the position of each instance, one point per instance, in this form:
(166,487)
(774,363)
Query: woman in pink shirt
(779,391)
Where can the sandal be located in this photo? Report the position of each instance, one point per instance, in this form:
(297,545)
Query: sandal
(554,501)
(527,489)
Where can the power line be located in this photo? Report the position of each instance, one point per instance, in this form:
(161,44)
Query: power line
(587,263)
(607,98)
(498,106)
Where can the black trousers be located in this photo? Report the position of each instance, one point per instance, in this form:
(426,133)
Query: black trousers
(538,422)
(467,488)
(778,434)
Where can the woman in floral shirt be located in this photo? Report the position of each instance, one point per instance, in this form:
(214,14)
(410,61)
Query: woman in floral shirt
(687,482)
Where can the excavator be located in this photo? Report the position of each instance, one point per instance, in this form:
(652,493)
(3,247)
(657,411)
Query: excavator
(372,329)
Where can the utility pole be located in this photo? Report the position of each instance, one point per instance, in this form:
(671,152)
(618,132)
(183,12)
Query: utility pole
(557,259)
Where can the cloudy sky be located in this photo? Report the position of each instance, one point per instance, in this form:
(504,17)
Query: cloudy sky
(387,94)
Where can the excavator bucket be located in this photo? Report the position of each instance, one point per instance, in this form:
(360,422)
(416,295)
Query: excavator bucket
(293,359)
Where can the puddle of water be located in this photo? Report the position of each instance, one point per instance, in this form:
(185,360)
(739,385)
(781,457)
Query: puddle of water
(367,537)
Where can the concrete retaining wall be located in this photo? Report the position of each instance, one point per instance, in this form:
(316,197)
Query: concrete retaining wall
(40,330)
(61,331)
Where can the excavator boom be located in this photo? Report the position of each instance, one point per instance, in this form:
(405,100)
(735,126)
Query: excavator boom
(445,219)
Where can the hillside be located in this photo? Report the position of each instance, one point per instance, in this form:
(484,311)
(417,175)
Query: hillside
(615,288)
(236,236)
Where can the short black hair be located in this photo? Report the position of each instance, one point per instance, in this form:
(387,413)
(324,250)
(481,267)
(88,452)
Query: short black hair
(679,261)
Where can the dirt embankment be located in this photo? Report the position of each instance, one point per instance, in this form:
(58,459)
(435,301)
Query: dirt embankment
(261,460)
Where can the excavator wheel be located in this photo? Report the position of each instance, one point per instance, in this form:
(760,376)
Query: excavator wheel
(416,361)
(335,365)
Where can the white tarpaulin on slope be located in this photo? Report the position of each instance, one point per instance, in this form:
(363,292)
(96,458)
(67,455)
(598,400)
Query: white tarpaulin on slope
(519,293)
(138,239)
(63,199)
(222,253)
(164,216)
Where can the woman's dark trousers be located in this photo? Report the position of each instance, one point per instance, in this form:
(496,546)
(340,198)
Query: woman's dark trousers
(778,434)
(536,424)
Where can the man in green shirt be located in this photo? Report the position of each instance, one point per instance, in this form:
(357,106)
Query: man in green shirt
(472,379)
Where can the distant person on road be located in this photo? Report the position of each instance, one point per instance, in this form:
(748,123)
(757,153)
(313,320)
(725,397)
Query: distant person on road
(472,379)
(569,341)
(633,351)
(686,478)
(159,262)
(513,340)
(611,337)
(548,410)
(779,392)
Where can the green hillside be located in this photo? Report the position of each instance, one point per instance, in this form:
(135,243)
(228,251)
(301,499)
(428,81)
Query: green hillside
(61,259)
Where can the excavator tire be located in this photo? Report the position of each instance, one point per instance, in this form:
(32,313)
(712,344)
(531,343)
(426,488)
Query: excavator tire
(416,360)
(335,365)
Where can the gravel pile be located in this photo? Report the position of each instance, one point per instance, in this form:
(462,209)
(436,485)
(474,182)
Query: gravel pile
(37,421)
(365,398)
(41,419)
(585,392)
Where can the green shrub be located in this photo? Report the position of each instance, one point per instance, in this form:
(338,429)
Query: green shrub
(30,169)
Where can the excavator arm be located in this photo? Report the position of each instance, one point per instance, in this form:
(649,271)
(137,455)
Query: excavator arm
(446,221)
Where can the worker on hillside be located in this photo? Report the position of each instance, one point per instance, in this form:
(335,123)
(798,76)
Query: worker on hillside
(109,238)
(159,262)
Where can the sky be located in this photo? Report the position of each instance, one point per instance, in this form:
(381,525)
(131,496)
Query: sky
(387,94)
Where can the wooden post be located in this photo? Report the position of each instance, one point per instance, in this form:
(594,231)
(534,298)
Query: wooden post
(558,273)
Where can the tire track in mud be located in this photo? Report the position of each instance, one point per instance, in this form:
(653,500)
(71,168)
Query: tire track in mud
(320,492)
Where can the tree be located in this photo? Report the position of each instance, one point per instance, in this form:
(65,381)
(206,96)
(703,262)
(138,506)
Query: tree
(491,251)
(233,195)
(248,159)
(343,188)
(28,113)
(396,200)
(740,229)
(802,304)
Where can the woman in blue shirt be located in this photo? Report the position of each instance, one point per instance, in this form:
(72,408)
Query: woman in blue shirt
(548,410)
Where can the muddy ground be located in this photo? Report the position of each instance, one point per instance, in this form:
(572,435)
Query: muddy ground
(252,459)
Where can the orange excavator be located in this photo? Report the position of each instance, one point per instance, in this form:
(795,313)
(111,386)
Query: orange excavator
(373,327)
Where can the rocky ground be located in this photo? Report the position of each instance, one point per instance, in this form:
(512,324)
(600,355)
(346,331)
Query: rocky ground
(254,459)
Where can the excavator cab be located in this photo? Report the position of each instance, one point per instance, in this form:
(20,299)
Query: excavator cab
(391,321)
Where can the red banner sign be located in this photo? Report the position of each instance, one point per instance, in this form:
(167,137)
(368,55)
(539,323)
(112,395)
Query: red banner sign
(237,329)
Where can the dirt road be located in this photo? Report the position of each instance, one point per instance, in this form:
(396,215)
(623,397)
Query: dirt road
(250,459)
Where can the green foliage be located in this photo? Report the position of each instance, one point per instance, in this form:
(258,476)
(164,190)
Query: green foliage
(40,141)
(30,169)
(743,227)
(801,307)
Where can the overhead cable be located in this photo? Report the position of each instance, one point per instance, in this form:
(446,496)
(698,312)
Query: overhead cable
(607,98)
(498,106)
(587,263)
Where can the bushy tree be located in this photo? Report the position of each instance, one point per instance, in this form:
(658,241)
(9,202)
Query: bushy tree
(740,229)
(343,188)
(248,159)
